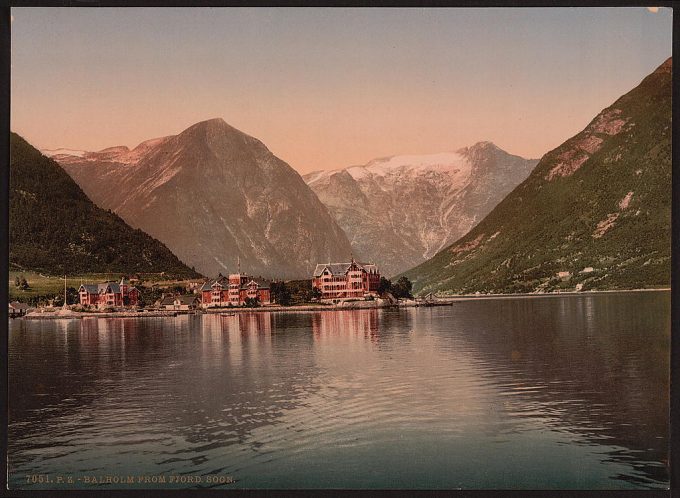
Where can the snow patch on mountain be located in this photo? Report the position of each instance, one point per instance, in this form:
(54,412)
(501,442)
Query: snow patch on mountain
(62,152)
(401,210)
(450,163)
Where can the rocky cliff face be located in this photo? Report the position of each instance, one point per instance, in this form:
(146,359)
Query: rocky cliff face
(594,214)
(400,211)
(214,196)
(55,228)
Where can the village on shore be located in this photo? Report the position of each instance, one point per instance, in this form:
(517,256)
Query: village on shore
(346,285)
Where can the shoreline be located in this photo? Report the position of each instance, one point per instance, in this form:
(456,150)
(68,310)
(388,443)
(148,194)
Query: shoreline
(470,297)
(79,315)
(355,305)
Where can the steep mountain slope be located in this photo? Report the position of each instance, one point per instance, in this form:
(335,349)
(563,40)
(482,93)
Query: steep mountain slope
(215,196)
(399,211)
(596,211)
(55,228)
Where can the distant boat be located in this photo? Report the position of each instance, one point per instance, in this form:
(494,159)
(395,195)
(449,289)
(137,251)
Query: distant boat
(432,300)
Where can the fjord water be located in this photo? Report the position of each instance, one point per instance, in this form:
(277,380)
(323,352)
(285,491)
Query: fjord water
(551,392)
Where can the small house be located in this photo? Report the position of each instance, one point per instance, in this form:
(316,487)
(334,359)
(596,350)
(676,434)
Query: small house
(17,309)
(186,302)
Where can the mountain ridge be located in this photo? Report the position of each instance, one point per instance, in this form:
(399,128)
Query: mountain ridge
(216,196)
(400,210)
(593,214)
(54,227)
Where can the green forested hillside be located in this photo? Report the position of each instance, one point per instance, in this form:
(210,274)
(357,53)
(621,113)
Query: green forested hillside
(56,229)
(596,210)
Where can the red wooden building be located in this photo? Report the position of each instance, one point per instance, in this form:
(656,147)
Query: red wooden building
(346,280)
(234,290)
(109,294)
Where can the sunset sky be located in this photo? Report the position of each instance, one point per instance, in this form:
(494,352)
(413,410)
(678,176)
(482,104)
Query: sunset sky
(328,88)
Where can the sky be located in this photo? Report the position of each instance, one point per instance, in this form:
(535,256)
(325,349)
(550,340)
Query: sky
(328,88)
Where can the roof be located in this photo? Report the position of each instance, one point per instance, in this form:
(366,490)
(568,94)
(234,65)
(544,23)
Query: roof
(335,268)
(18,306)
(261,283)
(187,299)
(97,288)
(339,269)
(183,299)
(90,288)
(221,280)
(115,288)
(167,300)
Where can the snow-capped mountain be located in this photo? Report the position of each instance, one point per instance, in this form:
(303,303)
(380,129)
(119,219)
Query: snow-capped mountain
(400,211)
(214,196)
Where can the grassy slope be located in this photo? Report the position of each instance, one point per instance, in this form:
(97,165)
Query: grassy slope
(544,227)
(55,229)
(47,286)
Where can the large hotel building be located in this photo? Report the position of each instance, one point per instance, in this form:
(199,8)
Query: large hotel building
(234,290)
(346,280)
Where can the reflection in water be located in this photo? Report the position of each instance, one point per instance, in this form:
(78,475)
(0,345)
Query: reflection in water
(527,393)
(599,370)
(329,325)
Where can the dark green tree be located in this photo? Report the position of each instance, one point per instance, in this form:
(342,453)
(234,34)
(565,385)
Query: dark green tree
(251,302)
(149,295)
(402,288)
(315,294)
(280,293)
(385,285)
(72,296)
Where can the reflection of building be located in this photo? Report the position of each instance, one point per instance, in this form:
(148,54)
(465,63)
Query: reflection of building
(352,324)
(234,290)
(346,280)
(237,338)
(109,294)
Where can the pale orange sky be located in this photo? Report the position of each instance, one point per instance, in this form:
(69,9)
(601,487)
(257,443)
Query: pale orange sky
(328,88)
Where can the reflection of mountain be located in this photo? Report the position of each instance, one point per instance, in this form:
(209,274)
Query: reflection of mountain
(580,363)
(273,398)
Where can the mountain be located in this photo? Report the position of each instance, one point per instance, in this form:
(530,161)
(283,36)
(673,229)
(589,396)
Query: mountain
(55,228)
(400,211)
(594,214)
(216,197)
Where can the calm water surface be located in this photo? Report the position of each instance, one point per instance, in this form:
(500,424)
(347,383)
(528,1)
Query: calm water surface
(555,392)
